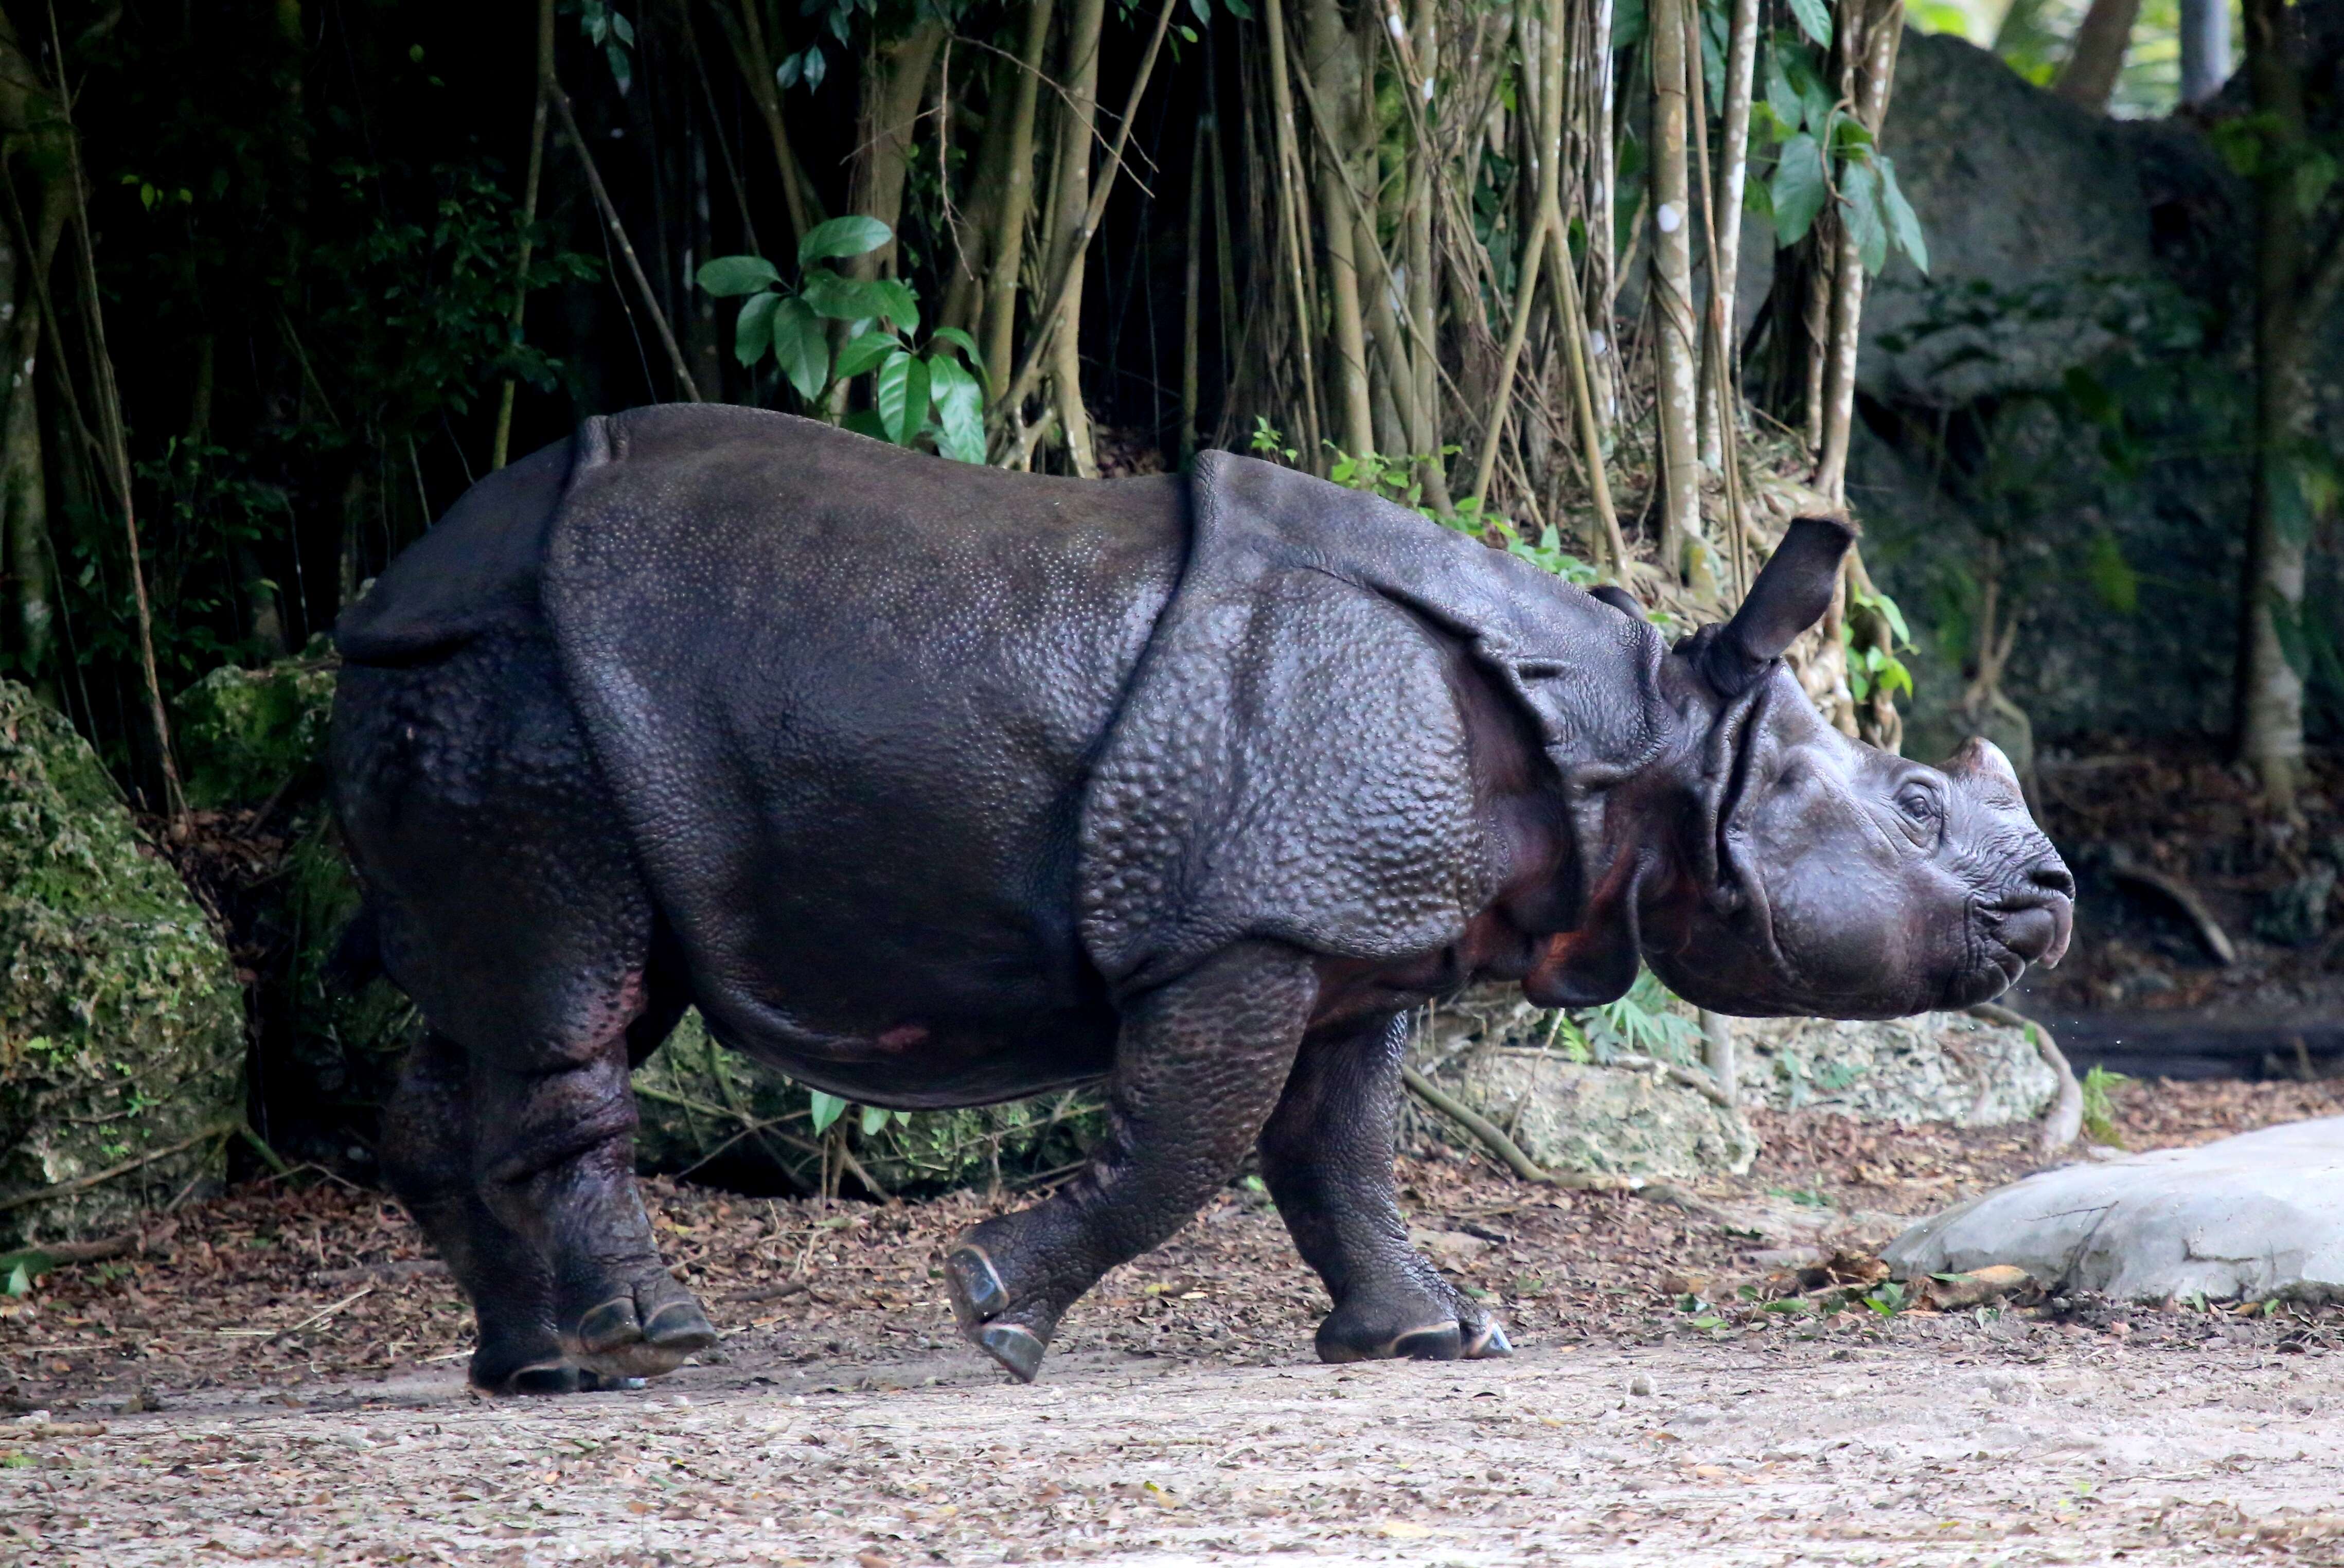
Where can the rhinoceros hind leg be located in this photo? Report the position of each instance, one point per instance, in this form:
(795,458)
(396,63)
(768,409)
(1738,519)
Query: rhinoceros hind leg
(1326,1158)
(427,1156)
(1197,1066)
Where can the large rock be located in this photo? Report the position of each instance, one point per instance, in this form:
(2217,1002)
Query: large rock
(1532,1073)
(727,1119)
(121,1020)
(1939,1067)
(244,734)
(2257,1216)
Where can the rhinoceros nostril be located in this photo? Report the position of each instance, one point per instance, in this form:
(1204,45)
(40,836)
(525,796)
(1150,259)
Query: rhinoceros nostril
(2053,877)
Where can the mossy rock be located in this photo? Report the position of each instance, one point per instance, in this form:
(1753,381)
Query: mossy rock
(700,1103)
(121,1018)
(245,733)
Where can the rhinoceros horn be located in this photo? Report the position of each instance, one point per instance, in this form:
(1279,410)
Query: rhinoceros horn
(1791,595)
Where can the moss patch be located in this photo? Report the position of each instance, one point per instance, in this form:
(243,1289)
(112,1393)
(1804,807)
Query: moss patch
(121,1020)
(245,733)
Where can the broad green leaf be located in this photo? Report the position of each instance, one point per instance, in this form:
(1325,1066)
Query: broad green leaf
(1628,23)
(1859,194)
(960,409)
(814,68)
(1781,97)
(850,235)
(903,397)
(1798,189)
(753,334)
(729,275)
(1904,223)
(864,423)
(874,1120)
(861,353)
(826,1108)
(901,306)
(1815,20)
(787,73)
(803,348)
(622,69)
(965,344)
(843,298)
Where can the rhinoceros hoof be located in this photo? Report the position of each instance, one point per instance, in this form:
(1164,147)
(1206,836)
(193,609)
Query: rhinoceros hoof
(492,1373)
(613,1341)
(1487,1343)
(1017,1349)
(977,1292)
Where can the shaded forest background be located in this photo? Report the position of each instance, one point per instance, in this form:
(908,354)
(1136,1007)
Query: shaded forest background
(2044,293)
(285,280)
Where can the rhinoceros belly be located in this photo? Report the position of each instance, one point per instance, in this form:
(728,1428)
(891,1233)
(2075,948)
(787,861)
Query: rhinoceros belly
(847,700)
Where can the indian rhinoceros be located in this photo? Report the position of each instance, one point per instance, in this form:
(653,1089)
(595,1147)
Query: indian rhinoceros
(933,784)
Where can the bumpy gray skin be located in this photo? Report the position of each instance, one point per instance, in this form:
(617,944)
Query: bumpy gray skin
(933,785)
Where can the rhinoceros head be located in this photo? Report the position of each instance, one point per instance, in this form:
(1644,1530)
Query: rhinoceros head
(1820,874)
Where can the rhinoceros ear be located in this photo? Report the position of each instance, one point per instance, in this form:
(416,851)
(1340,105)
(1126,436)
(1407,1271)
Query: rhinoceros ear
(1791,595)
(1619,598)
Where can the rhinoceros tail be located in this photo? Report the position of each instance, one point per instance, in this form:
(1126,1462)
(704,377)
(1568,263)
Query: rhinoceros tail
(357,958)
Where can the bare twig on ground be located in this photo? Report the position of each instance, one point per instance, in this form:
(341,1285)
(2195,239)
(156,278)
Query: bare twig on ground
(2065,1120)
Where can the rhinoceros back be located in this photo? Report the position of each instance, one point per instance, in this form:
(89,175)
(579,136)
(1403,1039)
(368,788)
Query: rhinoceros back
(847,698)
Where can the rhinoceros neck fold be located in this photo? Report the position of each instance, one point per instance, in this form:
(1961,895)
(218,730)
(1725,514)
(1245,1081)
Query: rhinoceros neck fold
(1292,763)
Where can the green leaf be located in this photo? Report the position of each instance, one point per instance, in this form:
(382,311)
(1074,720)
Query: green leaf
(864,423)
(1904,223)
(903,397)
(1859,194)
(20,1281)
(1798,189)
(874,1120)
(902,307)
(729,275)
(843,298)
(1628,23)
(826,1110)
(753,334)
(861,353)
(803,348)
(965,344)
(853,234)
(1815,20)
(1781,97)
(960,409)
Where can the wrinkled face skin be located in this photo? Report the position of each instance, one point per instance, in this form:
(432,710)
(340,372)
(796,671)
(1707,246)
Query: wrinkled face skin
(1825,877)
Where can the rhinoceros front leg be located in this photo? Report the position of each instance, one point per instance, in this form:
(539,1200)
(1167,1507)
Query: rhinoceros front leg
(1198,1067)
(1327,1157)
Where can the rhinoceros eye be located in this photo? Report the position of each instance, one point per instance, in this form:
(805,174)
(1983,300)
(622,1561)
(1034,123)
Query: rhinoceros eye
(1921,807)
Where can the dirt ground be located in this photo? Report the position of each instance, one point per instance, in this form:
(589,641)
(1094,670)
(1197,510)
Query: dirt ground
(277,1374)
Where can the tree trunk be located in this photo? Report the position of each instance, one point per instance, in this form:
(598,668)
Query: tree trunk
(1732,178)
(893,85)
(1332,63)
(1675,347)
(745,32)
(1869,39)
(2088,77)
(1016,201)
(2205,48)
(2271,686)
(502,445)
(1077,128)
